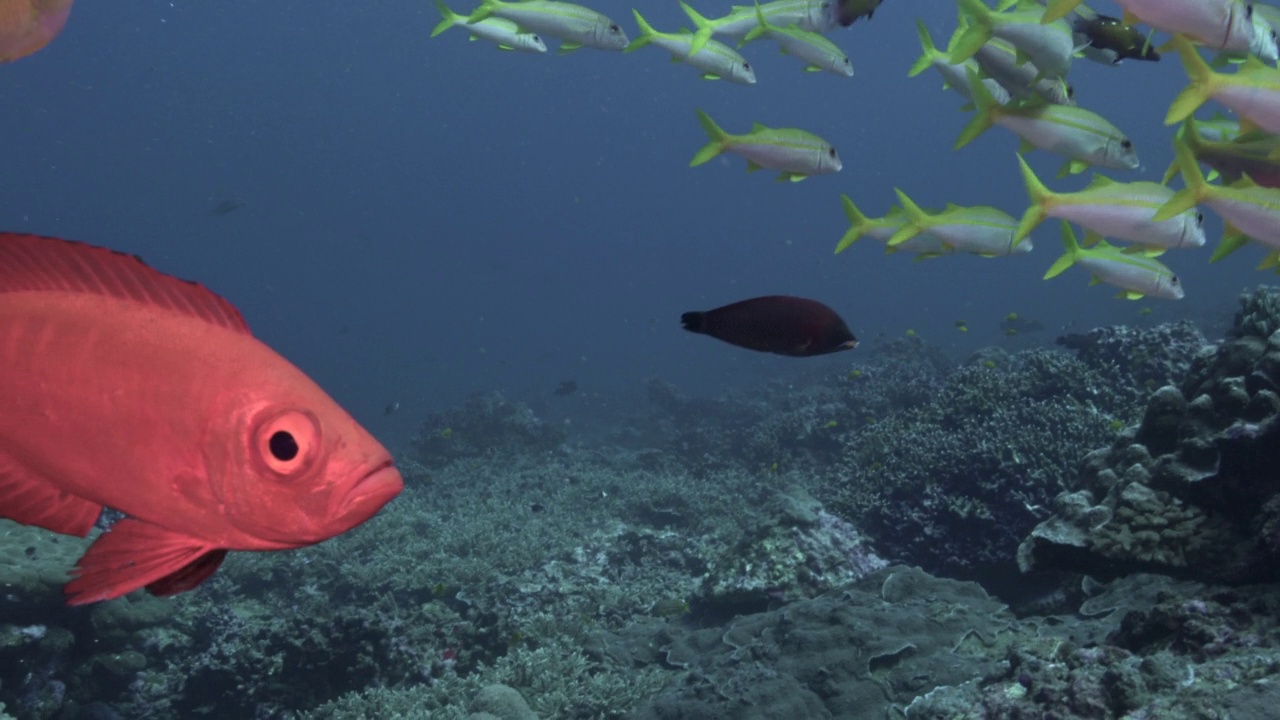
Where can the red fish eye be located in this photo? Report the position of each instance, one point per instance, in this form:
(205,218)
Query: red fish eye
(288,442)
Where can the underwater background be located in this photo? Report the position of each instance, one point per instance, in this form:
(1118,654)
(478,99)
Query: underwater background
(443,236)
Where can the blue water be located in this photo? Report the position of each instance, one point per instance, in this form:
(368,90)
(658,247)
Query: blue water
(425,219)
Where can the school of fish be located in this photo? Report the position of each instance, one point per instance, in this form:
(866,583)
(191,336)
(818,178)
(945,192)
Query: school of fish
(1010,64)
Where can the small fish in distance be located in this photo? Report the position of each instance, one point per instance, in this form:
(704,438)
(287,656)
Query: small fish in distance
(779,324)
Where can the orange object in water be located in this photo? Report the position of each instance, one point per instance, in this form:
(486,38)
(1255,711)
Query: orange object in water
(124,387)
(28,25)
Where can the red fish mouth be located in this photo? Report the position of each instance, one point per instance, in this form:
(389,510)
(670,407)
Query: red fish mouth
(370,493)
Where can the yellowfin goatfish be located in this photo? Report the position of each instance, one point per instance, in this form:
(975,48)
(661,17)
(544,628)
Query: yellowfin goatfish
(1047,46)
(716,60)
(1123,211)
(1253,92)
(814,50)
(999,60)
(796,154)
(953,75)
(983,231)
(1083,137)
(1219,24)
(499,31)
(1248,209)
(575,25)
(922,245)
(812,15)
(1136,275)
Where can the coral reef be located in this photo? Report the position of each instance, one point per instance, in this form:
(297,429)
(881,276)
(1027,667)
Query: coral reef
(488,423)
(1152,649)
(885,638)
(953,484)
(1192,490)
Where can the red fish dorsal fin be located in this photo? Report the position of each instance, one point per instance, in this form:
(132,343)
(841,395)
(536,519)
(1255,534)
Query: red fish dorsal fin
(31,263)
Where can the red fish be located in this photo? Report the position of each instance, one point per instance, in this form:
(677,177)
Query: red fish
(776,323)
(124,387)
(28,25)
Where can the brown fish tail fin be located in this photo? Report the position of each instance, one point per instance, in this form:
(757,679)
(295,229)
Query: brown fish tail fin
(694,322)
(135,554)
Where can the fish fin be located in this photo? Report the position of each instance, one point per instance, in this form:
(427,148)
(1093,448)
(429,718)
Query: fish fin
(976,35)
(485,10)
(1151,251)
(1058,9)
(1200,87)
(790,177)
(719,140)
(1270,261)
(135,554)
(35,263)
(928,50)
(647,33)
(916,218)
(1039,195)
(753,166)
(449,18)
(1069,257)
(704,28)
(710,76)
(568,47)
(695,322)
(1129,294)
(1229,244)
(758,127)
(857,224)
(813,68)
(983,117)
(189,575)
(31,500)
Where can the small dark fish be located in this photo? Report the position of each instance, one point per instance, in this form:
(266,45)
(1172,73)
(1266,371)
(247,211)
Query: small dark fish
(1116,39)
(1012,324)
(848,11)
(391,408)
(227,206)
(566,388)
(778,324)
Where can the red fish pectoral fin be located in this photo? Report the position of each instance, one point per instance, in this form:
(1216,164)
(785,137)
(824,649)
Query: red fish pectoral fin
(134,554)
(31,500)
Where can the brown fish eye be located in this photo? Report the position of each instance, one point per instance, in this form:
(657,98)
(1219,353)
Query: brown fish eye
(287,443)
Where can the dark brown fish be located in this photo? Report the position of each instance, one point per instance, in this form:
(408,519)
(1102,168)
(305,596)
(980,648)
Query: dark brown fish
(848,11)
(778,324)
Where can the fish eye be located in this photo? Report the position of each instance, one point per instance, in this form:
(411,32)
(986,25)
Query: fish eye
(283,446)
(1071,92)
(746,66)
(1126,144)
(288,443)
(831,152)
(1199,218)
(614,28)
(1173,280)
